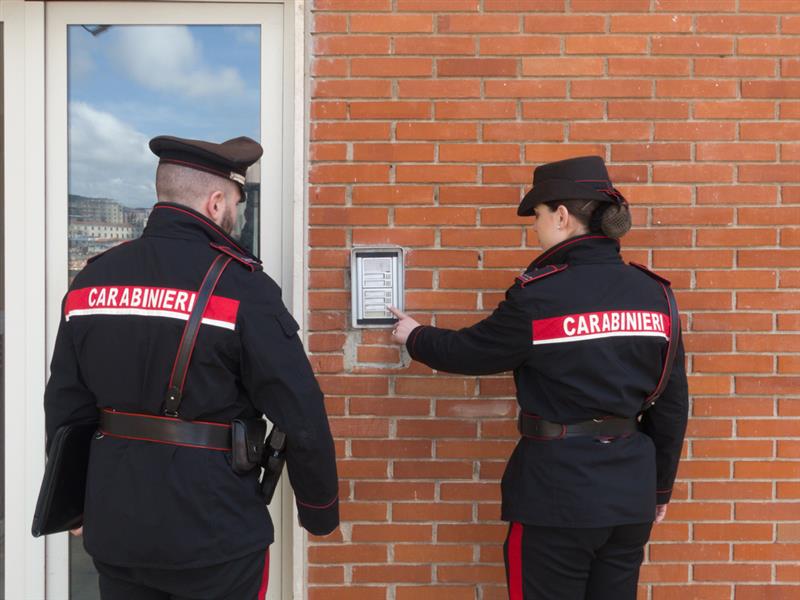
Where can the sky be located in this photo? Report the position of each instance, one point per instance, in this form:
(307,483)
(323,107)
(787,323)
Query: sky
(133,82)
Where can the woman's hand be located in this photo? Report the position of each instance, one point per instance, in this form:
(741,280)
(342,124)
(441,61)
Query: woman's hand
(404,326)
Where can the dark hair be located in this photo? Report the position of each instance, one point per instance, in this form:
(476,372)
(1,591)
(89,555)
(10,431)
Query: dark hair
(613,220)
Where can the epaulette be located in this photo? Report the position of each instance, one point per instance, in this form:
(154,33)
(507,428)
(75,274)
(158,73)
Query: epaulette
(106,251)
(251,263)
(540,273)
(655,276)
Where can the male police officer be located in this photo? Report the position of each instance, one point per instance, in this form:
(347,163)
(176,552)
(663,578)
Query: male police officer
(166,516)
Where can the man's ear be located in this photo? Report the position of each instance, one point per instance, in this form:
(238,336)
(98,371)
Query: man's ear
(215,205)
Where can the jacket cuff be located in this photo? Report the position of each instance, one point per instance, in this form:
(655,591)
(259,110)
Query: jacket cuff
(318,519)
(412,338)
(663,496)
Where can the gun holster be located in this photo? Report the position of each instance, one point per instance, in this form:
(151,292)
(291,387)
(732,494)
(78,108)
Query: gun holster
(273,460)
(247,443)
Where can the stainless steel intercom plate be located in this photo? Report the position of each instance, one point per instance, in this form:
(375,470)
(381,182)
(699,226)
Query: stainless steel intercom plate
(376,281)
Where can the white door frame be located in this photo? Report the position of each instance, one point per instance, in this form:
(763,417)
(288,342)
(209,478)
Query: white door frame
(36,239)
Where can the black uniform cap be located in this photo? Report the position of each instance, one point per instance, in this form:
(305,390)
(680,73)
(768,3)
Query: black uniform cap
(581,178)
(229,160)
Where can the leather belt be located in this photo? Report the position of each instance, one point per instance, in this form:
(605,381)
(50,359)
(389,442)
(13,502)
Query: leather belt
(165,430)
(533,426)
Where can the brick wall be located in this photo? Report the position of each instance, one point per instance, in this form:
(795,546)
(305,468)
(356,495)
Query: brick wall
(427,117)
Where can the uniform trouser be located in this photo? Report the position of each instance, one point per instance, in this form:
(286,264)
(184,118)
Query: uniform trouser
(244,578)
(558,563)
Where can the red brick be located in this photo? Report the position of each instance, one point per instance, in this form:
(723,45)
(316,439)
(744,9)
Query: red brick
(392,152)
(327,152)
(662,573)
(605,44)
(561,67)
(540,153)
(767,470)
(481,153)
(603,6)
(733,363)
(389,110)
(689,552)
(411,88)
(692,592)
(666,67)
(347,88)
(392,194)
(391,67)
(523,131)
(391,574)
(769,46)
(736,24)
(564,24)
(730,572)
(613,88)
(351,5)
(478,23)
(327,23)
(391,533)
(476,110)
(770,89)
(436,5)
(478,195)
(329,67)
(347,593)
(361,23)
(733,531)
(476,67)
(436,131)
(735,150)
(648,109)
(766,552)
(434,216)
(503,88)
(693,88)
(519,45)
(434,45)
(435,173)
(335,173)
(692,45)
(735,67)
(523,5)
(692,216)
(435,592)
(351,44)
(651,24)
(471,573)
(691,173)
(610,131)
(766,592)
(737,194)
(696,5)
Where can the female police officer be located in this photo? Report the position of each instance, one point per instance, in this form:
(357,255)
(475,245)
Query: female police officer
(592,342)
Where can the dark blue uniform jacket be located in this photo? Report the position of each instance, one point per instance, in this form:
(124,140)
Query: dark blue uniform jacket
(585,335)
(157,505)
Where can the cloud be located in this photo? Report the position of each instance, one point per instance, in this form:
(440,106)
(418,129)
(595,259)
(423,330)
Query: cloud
(169,59)
(247,35)
(109,158)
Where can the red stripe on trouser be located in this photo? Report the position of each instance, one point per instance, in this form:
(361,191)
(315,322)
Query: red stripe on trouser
(262,591)
(515,562)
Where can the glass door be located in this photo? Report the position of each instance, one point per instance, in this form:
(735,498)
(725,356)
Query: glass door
(119,74)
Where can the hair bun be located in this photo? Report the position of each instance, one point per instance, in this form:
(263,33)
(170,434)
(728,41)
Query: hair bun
(616,220)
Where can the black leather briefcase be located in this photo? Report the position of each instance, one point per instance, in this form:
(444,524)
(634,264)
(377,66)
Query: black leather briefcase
(60,503)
